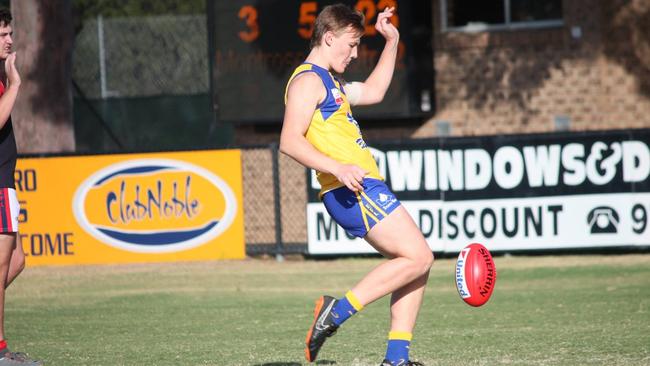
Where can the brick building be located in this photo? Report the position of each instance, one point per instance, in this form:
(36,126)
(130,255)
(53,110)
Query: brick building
(589,70)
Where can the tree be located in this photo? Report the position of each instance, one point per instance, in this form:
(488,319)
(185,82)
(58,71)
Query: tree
(43,38)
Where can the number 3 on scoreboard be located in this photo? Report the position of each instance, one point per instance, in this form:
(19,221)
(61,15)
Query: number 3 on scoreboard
(249,13)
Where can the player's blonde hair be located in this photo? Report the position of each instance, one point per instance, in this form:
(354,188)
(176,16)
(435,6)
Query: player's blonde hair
(336,18)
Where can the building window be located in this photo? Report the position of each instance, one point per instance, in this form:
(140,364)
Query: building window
(486,15)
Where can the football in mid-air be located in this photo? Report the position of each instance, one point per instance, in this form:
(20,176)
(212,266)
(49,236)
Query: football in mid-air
(476,274)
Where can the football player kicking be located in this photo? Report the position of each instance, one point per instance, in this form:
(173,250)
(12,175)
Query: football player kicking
(320,132)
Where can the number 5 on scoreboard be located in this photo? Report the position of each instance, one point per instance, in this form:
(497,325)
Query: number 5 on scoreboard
(307,18)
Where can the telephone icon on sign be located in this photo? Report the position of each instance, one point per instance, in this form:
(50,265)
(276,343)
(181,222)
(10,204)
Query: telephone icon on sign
(603,220)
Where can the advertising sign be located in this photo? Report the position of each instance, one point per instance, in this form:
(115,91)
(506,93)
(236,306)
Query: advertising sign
(154,207)
(525,192)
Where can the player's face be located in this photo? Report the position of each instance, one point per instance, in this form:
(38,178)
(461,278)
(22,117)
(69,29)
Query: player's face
(344,49)
(6,40)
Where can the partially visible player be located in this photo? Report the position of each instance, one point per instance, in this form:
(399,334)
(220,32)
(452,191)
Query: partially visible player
(320,132)
(12,257)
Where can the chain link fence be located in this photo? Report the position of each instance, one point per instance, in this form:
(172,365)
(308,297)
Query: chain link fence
(142,56)
(275,201)
(143,82)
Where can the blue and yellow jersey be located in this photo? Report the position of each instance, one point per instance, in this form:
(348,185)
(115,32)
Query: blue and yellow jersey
(334,132)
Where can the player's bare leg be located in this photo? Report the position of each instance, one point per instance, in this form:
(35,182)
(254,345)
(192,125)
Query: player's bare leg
(12,261)
(406,272)
(404,300)
(7,244)
(17,262)
(404,275)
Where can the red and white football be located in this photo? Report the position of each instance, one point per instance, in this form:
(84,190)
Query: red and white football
(476,274)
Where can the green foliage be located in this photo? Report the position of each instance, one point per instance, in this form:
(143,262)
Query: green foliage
(128,8)
(586,310)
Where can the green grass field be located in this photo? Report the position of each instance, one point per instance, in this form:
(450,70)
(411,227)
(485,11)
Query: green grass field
(546,310)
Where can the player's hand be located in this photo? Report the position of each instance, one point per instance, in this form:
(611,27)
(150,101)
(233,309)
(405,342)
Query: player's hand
(351,175)
(385,27)
(10,70)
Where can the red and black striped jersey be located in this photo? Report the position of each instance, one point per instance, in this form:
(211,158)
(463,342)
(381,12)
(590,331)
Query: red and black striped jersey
(8,151)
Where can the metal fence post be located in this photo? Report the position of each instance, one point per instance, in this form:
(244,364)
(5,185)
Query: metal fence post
(277,197)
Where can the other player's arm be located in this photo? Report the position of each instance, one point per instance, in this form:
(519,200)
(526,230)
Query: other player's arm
(372,90)
(8,99)
(303,95)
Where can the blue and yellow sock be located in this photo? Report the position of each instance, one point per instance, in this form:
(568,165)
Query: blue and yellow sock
(345,308)
(397,352)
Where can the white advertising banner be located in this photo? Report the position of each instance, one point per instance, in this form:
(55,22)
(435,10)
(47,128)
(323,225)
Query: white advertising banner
(512,193)
(507,224)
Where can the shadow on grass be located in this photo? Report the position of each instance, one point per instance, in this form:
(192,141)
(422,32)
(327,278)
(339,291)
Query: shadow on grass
(322,362)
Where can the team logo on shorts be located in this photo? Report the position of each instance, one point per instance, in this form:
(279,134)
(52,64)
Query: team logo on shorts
(154,205)
(386,200)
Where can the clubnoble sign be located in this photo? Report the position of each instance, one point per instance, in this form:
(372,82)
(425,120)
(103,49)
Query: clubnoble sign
(131,208)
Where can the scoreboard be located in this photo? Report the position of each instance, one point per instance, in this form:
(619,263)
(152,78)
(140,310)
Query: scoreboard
(256,44)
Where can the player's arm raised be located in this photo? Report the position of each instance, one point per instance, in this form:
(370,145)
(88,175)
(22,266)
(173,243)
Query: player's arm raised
(303,96)
(8,99)
(372,90)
